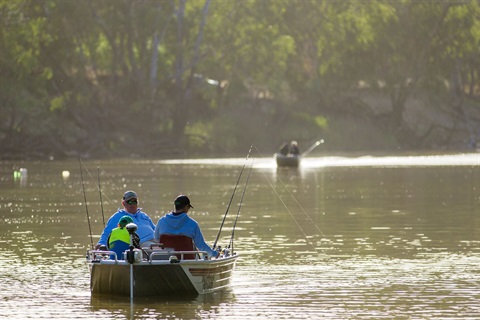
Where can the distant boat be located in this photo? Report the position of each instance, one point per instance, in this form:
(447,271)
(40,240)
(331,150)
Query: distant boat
(289,160)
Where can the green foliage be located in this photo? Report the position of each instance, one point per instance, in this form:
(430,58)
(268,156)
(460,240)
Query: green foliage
(215,80)
(321,122)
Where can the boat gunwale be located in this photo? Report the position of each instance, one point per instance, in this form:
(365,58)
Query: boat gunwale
(149,261)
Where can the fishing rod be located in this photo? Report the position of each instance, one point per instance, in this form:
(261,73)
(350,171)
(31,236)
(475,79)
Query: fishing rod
(239,207)
(100,190)
(233,194)
(102,195)
(85,199)
(316,144)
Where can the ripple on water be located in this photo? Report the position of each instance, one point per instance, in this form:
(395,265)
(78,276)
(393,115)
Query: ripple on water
(367,286)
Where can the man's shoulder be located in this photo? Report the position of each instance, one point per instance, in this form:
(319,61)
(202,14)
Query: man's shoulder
(120,211)
(143,215)
(192,221)
(118,215)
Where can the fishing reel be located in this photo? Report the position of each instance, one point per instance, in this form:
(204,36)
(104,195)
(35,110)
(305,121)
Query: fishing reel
(225,252)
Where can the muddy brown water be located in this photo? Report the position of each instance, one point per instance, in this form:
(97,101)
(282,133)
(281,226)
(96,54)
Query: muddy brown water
(337,238)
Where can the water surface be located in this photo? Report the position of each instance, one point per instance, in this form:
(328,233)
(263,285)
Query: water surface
(337,238)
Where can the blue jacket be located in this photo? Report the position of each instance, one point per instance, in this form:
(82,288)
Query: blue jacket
(182,224)
(141,219)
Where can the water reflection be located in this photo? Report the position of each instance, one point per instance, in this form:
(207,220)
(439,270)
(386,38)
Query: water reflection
(467,159)
(21,176)
(163,307)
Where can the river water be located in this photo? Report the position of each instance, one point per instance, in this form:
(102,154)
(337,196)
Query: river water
(337,238)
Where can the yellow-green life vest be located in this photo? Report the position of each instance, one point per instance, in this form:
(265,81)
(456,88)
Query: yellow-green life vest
(118,234)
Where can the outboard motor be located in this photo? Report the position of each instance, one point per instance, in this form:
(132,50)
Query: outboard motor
(131,228)
(132,255)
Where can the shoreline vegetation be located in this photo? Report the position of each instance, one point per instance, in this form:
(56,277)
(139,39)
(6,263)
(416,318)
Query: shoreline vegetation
(179,79)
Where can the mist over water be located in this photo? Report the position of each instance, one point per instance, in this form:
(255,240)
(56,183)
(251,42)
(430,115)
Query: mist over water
(337,238)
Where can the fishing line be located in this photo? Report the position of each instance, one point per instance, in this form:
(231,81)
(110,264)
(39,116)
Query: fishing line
(98,187)
(86,206)
(233,194)
(296,201)
(111,181)
(239,207)
(100,190)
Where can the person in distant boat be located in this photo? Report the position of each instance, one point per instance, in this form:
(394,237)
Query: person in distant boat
(178,222)
(130,208)
(294,148)
(119,238)
(284,149)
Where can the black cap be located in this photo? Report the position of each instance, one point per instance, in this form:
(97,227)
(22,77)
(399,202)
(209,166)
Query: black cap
(182,200)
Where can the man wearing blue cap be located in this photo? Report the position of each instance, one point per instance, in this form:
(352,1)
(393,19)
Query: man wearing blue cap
(130,208)
(178,222)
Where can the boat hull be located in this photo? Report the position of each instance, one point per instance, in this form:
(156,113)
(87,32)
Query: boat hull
(161,277)
(287,160)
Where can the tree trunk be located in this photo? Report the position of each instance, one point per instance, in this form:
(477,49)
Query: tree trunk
(178,129)
(184,100)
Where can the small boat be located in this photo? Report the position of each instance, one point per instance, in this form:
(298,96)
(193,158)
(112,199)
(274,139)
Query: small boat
(289,160)
(158,272)
(172,267)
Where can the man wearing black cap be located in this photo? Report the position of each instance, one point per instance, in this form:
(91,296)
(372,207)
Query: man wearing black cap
(178,222)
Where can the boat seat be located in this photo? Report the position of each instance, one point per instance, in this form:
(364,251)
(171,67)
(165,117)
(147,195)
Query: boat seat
(179,243)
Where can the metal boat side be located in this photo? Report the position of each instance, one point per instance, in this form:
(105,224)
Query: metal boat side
(161,277)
